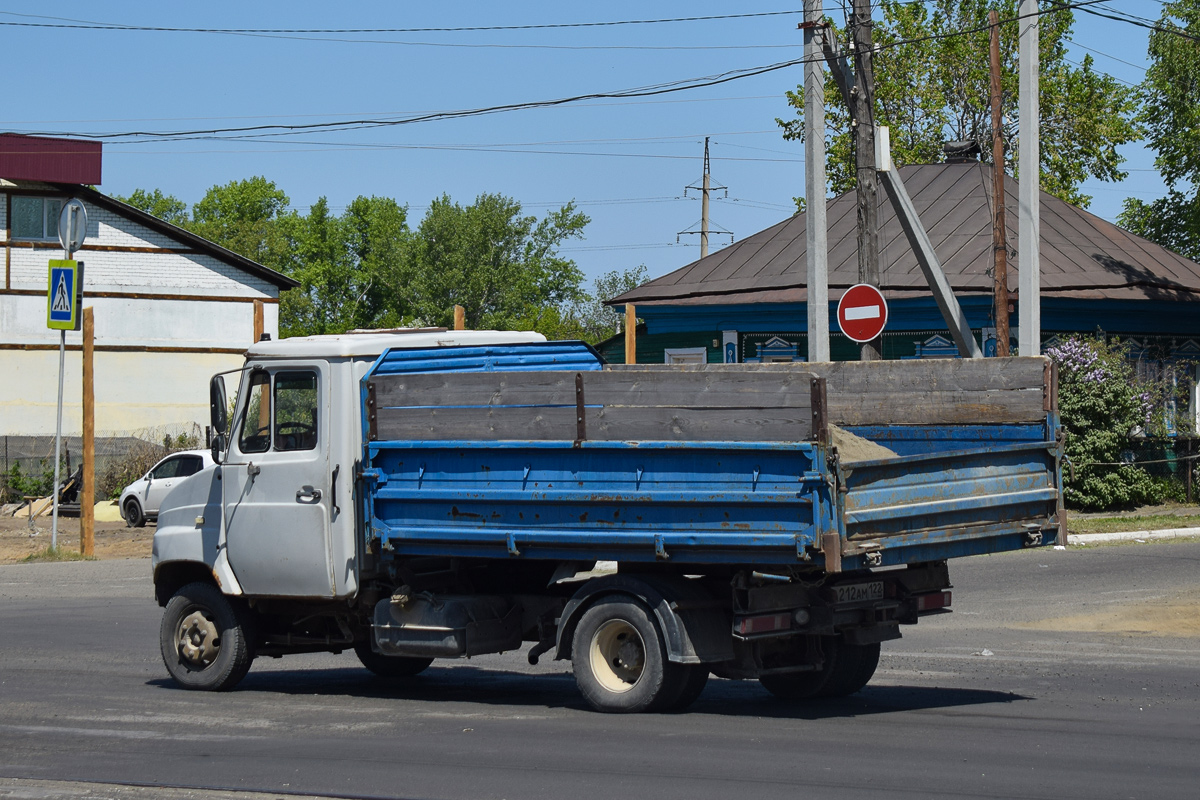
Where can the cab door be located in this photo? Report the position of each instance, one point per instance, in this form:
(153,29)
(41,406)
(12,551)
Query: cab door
(275,483)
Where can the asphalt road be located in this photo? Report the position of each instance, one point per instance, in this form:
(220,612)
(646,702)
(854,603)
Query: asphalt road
(1037,686)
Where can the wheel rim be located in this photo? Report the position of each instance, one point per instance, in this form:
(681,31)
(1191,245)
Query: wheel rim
(197,639)
(617,656)
(130,512)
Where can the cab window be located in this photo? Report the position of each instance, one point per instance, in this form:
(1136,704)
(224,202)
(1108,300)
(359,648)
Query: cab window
(295,410)
(255,436)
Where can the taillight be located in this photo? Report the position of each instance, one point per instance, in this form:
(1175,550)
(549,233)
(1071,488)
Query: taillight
(932,602)
(747,626)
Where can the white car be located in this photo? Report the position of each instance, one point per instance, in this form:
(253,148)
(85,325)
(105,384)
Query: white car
(141,499)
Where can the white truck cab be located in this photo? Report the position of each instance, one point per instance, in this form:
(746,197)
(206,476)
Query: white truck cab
(274,516)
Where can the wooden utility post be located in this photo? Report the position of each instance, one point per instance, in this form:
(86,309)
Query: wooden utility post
(258,320)
(630,334)
(460,318)
(863,113)
(87,492)
(999,242)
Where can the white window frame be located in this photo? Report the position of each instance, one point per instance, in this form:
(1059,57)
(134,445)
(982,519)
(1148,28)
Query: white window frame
(46,217)
(671,353)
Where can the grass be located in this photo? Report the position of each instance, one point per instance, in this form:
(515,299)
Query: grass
(1151,522)
(49,553)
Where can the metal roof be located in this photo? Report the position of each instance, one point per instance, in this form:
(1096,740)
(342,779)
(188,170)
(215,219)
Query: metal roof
(44,158)
(1082,255)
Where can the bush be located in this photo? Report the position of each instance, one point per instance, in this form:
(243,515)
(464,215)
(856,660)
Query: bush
(120,472)
(1102,405)
(18,484)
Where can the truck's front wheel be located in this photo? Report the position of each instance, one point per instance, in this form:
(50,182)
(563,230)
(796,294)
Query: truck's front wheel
(205,640)
(620,661)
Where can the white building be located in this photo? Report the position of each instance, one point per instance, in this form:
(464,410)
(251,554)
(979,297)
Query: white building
(170,307)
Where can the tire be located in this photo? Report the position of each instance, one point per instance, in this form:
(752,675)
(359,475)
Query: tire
(620,661)
(390,666)
(694,681)
(206,641)
(867,660)
(847,669)
(809,684)
(132,511)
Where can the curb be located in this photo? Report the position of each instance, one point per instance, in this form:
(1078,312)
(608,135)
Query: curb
(1131,536)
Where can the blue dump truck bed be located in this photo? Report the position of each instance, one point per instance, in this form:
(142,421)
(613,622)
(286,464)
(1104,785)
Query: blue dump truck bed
(542,452)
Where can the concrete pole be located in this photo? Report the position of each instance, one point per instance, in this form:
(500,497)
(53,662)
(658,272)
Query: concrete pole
(815,226)
(87,492)
(999,240)
(1029,232)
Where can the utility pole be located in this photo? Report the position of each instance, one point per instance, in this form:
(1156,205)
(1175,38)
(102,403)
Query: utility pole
(1029,159)
(706,188)
(863,113)
(999,243)
(815,227)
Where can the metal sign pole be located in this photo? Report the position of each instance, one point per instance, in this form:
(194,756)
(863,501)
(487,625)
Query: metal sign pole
(72,229)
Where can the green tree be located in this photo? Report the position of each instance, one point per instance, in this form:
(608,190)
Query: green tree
(502,266)
(348,268)
(932,85)
(249,217)
(166,207)
(1170,97)
(587,318)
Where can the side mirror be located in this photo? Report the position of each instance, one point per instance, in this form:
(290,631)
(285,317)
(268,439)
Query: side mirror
(218,447)
(218,407)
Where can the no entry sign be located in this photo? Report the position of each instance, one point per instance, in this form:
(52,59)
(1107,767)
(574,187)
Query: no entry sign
(862,313)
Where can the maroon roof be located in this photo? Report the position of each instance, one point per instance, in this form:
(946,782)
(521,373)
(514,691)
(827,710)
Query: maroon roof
(1082,255)
(40,158)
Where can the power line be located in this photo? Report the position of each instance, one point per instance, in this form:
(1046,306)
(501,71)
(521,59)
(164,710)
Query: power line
(275,130)
(1102,53)
(108,26)
(1141,22)
(280,129)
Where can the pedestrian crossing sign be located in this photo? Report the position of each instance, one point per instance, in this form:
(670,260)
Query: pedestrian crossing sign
(64,295)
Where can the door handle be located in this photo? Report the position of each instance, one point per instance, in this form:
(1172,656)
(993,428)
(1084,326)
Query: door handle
(307,494)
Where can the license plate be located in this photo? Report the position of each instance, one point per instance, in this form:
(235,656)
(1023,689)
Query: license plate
(860,592)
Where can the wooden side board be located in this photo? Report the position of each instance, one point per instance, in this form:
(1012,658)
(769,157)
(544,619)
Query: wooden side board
(718,402)
(666,405)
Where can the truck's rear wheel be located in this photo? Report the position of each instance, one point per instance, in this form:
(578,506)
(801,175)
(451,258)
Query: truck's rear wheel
(620,660)
(856,666)
(847,669)
(390,666)
(205,640)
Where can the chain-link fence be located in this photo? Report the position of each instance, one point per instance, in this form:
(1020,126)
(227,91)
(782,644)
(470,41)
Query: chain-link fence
(1170,462)
(29,460)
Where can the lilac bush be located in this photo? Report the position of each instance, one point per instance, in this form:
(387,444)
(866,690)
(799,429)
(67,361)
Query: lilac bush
(1102,404)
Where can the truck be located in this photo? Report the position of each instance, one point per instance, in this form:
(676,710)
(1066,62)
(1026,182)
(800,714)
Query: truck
(416,495)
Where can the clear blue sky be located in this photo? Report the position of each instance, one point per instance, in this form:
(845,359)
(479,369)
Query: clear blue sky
(625,162)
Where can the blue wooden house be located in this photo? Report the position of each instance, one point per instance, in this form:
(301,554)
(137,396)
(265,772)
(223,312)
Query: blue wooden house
(747,302)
